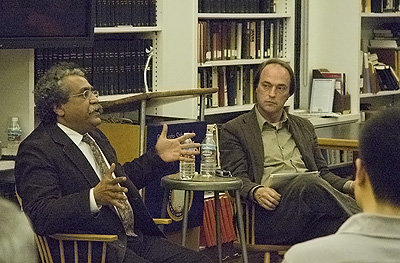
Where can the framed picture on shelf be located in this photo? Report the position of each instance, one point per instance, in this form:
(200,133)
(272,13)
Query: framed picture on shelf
(322,93)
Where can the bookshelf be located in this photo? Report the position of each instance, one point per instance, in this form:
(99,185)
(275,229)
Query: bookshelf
(231,43)
(370,21)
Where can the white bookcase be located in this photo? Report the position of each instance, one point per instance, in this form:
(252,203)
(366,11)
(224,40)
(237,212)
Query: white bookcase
(284,13)
(176,64)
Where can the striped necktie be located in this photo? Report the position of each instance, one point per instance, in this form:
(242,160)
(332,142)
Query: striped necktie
(125,213)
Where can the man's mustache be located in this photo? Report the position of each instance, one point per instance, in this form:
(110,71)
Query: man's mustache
(96,107)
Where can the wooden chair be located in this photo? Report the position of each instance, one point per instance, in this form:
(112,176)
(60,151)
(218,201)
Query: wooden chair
(249,220)
(42,243)
(44,249)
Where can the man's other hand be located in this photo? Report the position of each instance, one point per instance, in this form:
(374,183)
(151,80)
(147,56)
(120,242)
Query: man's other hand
(171,150)
(267,197)
(108,191)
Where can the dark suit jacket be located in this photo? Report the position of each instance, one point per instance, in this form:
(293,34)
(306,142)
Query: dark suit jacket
(242,150)
(53,178)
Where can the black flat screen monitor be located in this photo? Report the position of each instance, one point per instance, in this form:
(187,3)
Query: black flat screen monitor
(46,23)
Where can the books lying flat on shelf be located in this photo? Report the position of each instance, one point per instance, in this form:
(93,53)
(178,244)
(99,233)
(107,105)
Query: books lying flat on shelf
(383,43)
(277,180)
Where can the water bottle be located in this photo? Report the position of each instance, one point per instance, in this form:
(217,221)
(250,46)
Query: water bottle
(208,156)
(186,168)
(14,133)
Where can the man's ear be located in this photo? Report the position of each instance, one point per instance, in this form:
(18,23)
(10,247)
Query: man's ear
(361,173)
(59,110)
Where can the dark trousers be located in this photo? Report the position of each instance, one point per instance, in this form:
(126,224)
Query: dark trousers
(310,207)
(156,249)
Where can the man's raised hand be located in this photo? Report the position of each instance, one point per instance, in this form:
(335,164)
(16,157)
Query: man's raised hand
(171,150)
(108,191)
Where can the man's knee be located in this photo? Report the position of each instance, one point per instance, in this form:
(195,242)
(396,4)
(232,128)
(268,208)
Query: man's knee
(308,183)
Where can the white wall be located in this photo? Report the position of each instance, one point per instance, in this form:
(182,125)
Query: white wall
(334,29)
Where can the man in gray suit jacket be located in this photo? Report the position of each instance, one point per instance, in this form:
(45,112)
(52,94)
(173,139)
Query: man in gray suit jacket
(267,141)
(66,187)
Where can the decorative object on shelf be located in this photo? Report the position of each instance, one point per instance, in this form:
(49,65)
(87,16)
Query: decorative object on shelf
(150,54)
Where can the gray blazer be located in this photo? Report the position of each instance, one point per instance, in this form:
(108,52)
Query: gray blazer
(242,150)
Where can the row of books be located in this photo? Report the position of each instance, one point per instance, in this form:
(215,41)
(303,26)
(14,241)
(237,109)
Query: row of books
(380,6)
(110,13)
(234,83)
(225,40)
(208,237)
(113,66)
(337,157)
(237,6)
(378,76)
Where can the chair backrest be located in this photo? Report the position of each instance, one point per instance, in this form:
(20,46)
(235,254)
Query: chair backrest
(77,240)
(249,221)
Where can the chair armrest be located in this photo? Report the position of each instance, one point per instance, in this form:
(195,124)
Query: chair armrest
(85,237)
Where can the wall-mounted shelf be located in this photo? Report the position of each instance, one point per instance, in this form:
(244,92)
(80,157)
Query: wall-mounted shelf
(243,16)
(377,15)
(235,62)
(133,101)
(228,109)
(342,119)
(126,29)
(380,94)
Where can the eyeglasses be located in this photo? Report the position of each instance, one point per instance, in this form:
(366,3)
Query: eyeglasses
(87,94)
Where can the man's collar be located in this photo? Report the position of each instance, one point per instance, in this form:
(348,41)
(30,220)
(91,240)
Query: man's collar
(261,120)
(76,137)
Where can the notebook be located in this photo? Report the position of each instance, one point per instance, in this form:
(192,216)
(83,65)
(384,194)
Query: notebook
(277,180)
